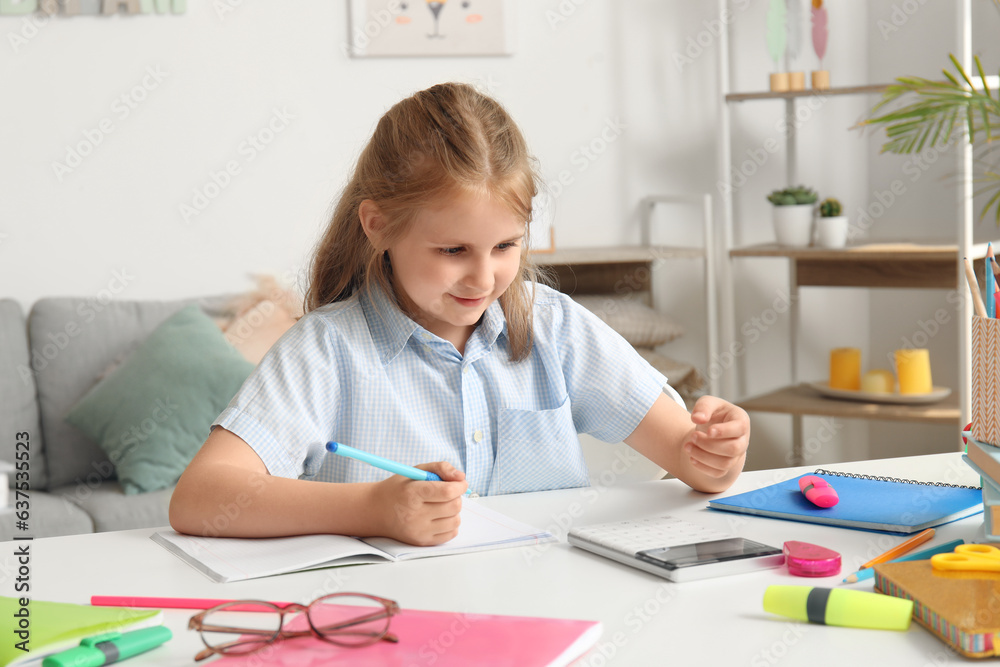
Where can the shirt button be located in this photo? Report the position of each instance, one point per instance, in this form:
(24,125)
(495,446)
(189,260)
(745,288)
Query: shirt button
(477,436)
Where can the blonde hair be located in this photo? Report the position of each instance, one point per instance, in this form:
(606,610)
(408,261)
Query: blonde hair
(449,138)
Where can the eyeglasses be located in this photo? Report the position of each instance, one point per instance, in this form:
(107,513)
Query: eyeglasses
(344,619)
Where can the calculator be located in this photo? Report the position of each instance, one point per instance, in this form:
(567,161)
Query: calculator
(674,548)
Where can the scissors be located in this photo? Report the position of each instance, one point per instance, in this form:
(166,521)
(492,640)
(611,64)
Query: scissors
(969,557)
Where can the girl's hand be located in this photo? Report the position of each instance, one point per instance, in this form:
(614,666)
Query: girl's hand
(421,513)
(718,443)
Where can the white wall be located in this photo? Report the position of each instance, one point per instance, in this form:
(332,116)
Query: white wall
(643,72)
(222,78)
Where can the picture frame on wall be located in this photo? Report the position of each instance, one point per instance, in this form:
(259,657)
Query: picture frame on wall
(407,28)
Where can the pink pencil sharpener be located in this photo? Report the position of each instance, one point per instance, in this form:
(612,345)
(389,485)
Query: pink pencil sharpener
(810,560)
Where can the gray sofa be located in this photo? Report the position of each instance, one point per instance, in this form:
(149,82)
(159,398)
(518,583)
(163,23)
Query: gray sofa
(47,362)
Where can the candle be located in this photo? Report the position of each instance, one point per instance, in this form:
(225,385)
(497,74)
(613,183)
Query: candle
(878,381)
(845,368)
(913,368)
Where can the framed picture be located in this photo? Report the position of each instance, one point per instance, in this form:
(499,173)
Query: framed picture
(429,28)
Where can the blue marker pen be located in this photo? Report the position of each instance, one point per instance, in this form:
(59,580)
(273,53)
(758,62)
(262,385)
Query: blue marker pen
(385,464)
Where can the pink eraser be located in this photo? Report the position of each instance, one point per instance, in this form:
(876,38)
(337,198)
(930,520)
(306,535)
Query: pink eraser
(810,560)
(818,491)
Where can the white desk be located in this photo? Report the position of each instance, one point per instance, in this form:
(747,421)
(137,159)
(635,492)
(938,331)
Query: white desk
(647,620)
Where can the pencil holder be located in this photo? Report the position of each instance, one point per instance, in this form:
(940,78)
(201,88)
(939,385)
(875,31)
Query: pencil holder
(986,379)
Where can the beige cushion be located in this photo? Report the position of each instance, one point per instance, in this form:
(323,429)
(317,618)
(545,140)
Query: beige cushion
(682,376)
(637,323)
(256,330)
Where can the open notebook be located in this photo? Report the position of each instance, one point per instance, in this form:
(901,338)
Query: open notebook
(233,559)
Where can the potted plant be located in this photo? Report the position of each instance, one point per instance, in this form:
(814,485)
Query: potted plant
(918,113)
(793,214)
(831,226)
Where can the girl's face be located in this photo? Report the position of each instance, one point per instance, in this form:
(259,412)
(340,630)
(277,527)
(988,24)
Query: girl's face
(454,261)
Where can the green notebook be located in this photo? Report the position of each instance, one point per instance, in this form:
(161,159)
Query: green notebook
(44,628)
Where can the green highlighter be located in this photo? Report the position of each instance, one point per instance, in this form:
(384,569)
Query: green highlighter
(838,606)
(108,648)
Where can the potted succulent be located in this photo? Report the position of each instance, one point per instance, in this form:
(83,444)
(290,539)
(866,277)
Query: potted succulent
(793,214)
(831,226)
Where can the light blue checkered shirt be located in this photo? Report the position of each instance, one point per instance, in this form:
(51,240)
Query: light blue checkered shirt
(362,373)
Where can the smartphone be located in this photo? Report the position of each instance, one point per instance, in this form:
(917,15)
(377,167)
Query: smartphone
(687,562)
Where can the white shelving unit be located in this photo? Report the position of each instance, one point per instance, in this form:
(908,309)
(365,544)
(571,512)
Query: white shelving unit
(924,265)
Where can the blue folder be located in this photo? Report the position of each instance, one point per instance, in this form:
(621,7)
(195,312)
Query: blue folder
(879,504)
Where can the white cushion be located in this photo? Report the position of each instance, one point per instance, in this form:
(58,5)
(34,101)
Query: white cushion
(637,323)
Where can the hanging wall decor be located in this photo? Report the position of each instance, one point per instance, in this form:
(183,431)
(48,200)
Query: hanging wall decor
(429,28)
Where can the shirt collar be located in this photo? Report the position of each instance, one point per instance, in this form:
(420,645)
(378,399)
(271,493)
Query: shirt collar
(391,328)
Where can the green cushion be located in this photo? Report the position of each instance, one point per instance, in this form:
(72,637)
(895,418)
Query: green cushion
(152,414)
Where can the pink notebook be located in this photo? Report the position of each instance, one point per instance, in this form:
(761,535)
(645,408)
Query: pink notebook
(444,638)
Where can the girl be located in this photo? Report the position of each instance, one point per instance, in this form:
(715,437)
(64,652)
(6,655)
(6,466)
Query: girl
(428,341)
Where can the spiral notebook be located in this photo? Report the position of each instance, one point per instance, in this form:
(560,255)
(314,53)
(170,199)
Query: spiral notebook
(882,504)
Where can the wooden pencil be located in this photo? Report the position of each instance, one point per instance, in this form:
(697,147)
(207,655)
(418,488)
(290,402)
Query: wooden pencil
(977,298)
(901,548)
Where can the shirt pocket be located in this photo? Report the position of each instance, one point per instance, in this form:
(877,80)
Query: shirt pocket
(537,450)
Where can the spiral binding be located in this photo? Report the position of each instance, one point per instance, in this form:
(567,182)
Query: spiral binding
(879,478)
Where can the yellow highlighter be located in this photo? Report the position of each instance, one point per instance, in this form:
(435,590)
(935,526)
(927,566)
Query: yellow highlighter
(837,606)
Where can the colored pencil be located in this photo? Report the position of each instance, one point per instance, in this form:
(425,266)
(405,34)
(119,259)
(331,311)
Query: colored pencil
(991,281)
(171,603)
(869,572)
(901,548)
(977,298)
